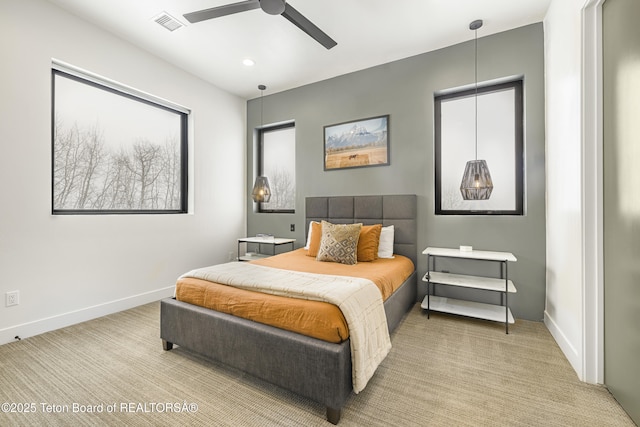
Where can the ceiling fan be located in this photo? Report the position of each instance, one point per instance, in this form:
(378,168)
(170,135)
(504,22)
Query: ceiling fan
(272,7)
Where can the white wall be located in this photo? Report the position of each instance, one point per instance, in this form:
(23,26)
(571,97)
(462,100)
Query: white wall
(565,312)
(72,268)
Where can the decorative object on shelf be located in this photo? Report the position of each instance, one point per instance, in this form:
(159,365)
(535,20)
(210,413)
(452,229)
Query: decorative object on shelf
(265,236)
(356,144)
(476,181)
(261,191)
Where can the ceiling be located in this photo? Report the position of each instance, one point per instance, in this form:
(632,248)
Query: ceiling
(368,33)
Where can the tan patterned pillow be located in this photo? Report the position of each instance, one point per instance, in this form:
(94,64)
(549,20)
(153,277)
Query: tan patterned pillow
(339,243)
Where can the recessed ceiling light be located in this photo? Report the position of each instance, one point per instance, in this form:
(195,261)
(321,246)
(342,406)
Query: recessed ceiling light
(249,62)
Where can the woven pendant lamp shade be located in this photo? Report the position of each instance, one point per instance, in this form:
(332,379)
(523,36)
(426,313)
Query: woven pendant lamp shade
(476,181)
(261,190)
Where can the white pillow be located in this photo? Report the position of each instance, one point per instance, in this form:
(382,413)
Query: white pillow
(309,235)
(385,247)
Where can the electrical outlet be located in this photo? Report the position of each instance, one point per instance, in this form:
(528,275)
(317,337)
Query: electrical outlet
(293,227)
(231,254)
(12,298)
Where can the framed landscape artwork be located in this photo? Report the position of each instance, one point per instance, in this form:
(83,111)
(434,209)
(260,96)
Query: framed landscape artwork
(357,144)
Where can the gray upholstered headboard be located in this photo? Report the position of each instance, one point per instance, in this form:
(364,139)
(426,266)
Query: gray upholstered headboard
(397,210)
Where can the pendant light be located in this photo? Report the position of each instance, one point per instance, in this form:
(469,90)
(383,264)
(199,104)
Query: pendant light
(261,191)
(476,181)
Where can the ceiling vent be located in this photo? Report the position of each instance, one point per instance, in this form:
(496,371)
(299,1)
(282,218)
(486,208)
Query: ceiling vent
(168,21)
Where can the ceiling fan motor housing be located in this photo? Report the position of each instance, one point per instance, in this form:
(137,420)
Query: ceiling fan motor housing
(273,7)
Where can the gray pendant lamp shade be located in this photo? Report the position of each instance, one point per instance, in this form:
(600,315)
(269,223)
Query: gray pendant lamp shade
(476,181)
(261,190)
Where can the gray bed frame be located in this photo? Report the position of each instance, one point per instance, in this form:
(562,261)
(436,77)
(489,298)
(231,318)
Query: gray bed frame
(312,368)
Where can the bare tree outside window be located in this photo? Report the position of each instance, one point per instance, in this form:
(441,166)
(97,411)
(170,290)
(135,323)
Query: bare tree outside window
(114,152)
(277,162)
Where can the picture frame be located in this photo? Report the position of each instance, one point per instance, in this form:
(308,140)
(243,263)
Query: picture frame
(357,143)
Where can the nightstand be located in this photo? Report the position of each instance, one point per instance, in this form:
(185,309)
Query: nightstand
(502,285)
(259,241)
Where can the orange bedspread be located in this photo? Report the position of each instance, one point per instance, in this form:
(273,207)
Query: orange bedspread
(316,319)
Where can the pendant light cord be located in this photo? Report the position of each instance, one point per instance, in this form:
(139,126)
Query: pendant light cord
(261,88)
(476,79)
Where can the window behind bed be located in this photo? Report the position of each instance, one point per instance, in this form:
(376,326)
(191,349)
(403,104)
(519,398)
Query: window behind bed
(277,161)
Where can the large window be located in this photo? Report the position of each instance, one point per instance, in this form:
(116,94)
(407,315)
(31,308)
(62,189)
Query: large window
(499,142)
(115,150)
(277,161)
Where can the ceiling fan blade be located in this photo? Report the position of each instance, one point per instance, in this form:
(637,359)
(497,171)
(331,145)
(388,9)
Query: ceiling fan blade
(216,12)
(297,19)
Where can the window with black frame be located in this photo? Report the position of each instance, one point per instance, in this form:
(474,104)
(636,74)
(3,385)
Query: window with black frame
(115,150)
(276,162)
(483,129)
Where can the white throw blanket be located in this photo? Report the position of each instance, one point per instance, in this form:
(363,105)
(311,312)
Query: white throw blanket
(359,300)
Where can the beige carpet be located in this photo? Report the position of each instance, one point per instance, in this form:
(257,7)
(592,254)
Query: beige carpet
(443,371)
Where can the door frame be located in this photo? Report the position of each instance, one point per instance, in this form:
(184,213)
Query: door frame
(592,195)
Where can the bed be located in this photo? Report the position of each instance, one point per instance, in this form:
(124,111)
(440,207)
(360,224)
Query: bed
(311,367)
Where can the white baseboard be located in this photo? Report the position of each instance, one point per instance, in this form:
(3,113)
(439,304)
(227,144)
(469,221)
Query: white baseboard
(570,352)
(40,326)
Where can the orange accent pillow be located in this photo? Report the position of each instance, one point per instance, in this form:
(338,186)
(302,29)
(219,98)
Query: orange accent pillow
(316,237)
(368,242)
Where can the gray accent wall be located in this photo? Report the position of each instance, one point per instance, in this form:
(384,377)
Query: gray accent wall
(405,90)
